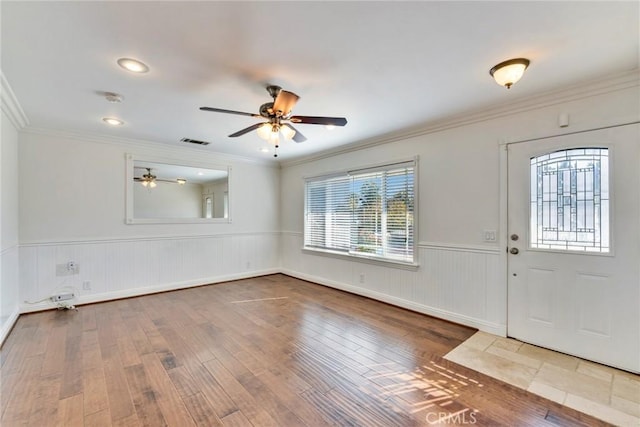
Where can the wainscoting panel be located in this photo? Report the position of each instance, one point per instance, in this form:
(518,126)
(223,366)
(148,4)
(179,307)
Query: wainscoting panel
(9,308)
(126,267)
(458,283)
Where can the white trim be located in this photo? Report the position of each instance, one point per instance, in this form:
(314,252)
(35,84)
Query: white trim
(349,256)
(89,241)
(407,162)
(608,84)
(148,290)
(130,160)
(483,325)
(457,247)
(8,249)
(10,104)
(590,127)
(8,325)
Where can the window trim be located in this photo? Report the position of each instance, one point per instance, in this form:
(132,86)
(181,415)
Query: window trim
(347,255)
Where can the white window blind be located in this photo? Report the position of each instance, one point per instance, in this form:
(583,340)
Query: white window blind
(368,213)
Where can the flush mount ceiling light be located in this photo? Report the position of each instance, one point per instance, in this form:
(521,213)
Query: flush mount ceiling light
(112,121)
(133,65)
(509,72)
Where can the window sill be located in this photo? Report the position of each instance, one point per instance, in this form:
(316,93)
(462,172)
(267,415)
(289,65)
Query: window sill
(359,258)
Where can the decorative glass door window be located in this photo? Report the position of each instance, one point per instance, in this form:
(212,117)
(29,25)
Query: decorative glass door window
(569,200)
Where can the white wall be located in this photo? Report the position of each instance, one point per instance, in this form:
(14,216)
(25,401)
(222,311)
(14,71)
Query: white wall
(461,277)
(72,208)
(9,254)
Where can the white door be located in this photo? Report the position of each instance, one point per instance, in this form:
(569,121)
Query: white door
(574,221)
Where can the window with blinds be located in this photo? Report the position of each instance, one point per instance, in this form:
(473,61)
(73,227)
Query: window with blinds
(367,213)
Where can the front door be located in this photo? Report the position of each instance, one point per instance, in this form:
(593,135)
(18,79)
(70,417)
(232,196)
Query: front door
(574,244)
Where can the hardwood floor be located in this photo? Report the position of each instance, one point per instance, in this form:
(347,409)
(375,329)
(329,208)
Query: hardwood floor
(269,351)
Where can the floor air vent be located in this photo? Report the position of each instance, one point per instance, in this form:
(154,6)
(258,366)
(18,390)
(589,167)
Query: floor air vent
(194,141)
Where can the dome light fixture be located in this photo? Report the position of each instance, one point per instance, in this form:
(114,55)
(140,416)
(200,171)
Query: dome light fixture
(112,121)
(133,65)
(509,72)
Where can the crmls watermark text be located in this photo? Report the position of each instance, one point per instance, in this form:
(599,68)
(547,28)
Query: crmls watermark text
(462,417)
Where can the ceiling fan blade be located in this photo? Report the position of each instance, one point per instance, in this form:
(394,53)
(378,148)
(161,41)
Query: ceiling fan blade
(297,137)
(220,110)
(310,120)
(246,130)
(284,102)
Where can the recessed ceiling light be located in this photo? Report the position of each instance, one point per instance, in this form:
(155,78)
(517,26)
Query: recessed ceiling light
(200,173)
(133,65)
(264,150)
(112,121)
(329,127)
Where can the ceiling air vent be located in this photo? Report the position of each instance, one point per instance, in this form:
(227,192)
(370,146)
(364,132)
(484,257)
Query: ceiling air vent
(194,141)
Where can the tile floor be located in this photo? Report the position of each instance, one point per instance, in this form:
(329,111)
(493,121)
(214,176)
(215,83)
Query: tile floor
(603,392)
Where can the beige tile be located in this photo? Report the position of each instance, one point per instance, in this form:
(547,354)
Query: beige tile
(595,370)
(626,406)
(508,344)
(603,412)
(493,366)
(480,340)
(549,356)
(514,357)
(547,392)
(574,383)
(626,387)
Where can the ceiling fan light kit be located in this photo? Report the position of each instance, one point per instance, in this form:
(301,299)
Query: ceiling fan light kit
(150,181)
(278,114)
(509,72)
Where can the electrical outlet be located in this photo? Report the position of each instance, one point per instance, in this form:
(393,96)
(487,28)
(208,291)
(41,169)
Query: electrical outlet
(86,285)
(67,269)
(361,277)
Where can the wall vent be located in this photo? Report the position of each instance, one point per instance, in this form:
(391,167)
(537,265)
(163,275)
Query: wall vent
(194,141)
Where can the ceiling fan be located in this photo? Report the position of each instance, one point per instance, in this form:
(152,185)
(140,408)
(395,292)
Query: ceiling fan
(149,180)
(279,118)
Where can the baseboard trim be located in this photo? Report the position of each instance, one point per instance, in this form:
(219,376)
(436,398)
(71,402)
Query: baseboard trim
(148,290)
(483,325)
(8,325)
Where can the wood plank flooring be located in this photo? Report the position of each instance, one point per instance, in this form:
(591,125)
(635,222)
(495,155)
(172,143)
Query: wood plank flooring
(269,351)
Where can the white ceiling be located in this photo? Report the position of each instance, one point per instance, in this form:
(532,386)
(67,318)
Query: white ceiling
(385,66)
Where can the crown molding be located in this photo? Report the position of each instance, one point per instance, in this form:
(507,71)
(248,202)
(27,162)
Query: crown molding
(10,105)
(131,145)
(607,84)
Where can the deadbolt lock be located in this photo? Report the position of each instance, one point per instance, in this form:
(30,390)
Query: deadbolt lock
(514,237)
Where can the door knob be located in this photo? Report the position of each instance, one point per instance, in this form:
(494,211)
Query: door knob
(514,251)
